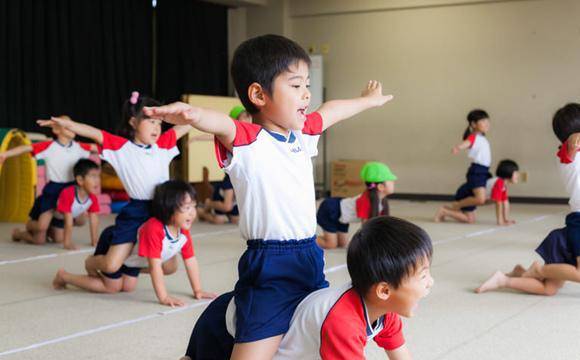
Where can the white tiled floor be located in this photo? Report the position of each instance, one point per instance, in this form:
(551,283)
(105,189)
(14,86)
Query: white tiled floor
(37,322)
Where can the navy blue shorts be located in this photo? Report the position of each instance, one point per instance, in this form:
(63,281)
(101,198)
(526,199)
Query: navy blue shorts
(127,223)
(210,338)
(234,212)
(463,192)
(477,176)
(274,276)
(47,199)
(573,232)
(57,223)
(102,248)
(328,216)
(556,249)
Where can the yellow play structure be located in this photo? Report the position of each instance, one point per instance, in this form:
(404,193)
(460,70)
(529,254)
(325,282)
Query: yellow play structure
(17,178)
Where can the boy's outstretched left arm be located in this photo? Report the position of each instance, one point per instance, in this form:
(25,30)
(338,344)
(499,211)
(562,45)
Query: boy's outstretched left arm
(192,268)
(94,228)
(506,213)
(335,111)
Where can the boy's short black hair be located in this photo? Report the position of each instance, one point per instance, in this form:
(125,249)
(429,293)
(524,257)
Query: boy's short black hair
(168,197)
(506,169)
(476,115)
(83,166)
(260,60)
(386,249)
(566,121)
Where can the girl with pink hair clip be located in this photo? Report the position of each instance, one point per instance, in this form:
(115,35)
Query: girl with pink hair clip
(141,157)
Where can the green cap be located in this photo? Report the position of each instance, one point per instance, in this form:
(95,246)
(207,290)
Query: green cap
(236,111)
(376,172)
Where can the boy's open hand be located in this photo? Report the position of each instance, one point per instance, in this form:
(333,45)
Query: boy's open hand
(374,93)
(171,301)
(54,121)
(177,113)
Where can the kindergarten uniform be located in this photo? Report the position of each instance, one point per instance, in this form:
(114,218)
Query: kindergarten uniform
(334,214)
(495,190)
(69,203)
(218,195)
(570,173)
(329,324)
(272,176)
(140,168)
(59,161)
(155,242)
(480,155)
(556,249)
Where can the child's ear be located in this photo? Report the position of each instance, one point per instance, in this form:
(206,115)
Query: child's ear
(257,95)
(383,291)
(133,122)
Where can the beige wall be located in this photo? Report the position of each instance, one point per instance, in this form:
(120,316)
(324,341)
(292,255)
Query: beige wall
(519,60)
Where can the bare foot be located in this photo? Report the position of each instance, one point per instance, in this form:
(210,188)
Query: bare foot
(440,215)
(496,281)
(16,235)
(58,282)
(517,271)
(535,271)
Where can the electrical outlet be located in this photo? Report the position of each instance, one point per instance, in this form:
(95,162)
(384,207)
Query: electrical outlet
(312,48)
(325,48)
(524,176)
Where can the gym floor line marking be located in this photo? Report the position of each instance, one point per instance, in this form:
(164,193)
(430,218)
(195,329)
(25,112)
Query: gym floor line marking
(199,304)
(84,251)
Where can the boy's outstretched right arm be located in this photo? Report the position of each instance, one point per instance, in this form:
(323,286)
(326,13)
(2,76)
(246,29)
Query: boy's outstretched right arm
(19,150)
(78,128)
(206,120)
(461,146)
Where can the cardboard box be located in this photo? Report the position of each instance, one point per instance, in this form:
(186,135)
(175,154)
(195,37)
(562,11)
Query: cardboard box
(345,178)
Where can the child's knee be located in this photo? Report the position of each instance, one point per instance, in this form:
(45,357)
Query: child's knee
(480,199)
(129,286)
(113,288)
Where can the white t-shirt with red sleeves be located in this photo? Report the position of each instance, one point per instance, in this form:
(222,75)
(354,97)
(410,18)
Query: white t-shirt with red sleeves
(70,203)
(357,208)
(140,168)
(154,241)
(570,173)
(479,149)
(60,159)
(333,323)
(496,189)
(273,179)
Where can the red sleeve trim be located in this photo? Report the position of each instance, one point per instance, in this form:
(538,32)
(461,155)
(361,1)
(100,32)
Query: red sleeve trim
(471,138)
(499,191)
(313,124)
(39,147)
(65,200)
(112,142)
(95,207)
(342,335)
(246,133)
(363,206)
(187,251)
(391,337)
(167,140)
(563,154)
(86,146)
(151,236)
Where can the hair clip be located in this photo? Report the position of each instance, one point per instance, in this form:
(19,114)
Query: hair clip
(134,97)
(372,185)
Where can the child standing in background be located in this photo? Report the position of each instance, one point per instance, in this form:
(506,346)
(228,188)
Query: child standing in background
(335,214)
(141,160)
(59,155)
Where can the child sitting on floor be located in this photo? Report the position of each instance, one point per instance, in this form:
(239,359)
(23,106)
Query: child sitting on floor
(388,261)
(496,190)
(335,214)
(160,239)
